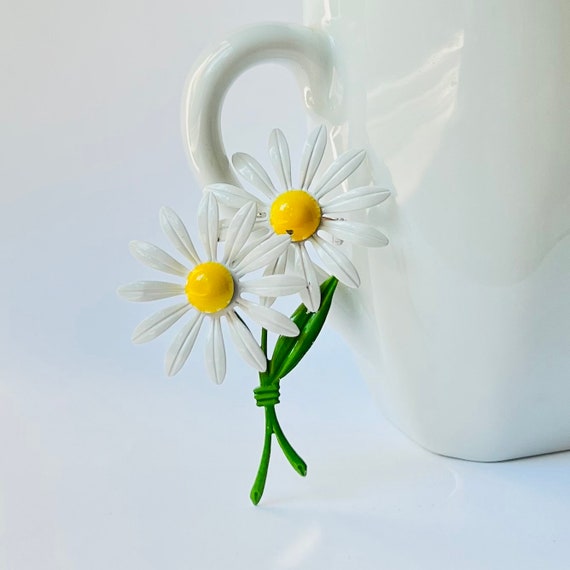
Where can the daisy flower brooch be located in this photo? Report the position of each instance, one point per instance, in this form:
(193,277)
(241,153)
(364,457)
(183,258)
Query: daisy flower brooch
(265,251)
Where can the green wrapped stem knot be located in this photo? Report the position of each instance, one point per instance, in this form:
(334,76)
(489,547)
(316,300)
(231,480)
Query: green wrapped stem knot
(266,395)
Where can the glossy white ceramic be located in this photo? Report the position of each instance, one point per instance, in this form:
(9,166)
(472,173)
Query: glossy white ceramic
(463,323)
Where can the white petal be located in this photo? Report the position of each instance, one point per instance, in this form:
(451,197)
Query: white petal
(247,346)
(176,231)
(263,254)
(180,349)
(259,235)
(311,294)
(149,290)
(216,352)
(357,199)
(279,154)
(322,275)
(254,173)
(161,321)
(269,319)
(336,262)
(313,155)
(275,268)
(354,232)
(154,257)
(291,262)
(285,264)
(231,196)
(273,285)
(338,172)
(208,224)
(239,231)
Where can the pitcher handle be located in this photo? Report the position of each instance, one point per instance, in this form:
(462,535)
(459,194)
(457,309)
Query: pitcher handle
(309,52)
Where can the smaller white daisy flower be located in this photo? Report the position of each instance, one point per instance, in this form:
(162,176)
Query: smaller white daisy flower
(212,289)
(305,211)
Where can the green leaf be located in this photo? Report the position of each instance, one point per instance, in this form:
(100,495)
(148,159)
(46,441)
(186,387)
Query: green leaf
(300,317)
(289,351)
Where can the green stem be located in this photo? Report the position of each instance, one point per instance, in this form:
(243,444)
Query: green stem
(292,456)
(272,426)
(259,483)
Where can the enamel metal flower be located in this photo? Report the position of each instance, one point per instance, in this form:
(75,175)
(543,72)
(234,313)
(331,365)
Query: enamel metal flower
(268,236)
(213,289)
(309,211)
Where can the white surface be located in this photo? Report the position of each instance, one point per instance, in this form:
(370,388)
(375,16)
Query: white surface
(105,462)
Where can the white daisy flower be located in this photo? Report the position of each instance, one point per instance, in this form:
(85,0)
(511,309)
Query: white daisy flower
(305,211)
(212,289)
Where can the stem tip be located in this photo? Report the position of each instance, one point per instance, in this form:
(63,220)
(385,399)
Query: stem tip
(255,497)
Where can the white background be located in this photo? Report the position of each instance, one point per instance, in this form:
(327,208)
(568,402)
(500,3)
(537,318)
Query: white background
(107,464)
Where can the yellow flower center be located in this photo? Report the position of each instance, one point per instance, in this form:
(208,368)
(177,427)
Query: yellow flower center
(209,287)
(296,213)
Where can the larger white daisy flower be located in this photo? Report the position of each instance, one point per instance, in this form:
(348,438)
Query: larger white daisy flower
(305,211)
(212,289)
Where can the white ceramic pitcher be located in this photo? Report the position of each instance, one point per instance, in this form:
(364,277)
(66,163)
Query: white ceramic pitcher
(464,320)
